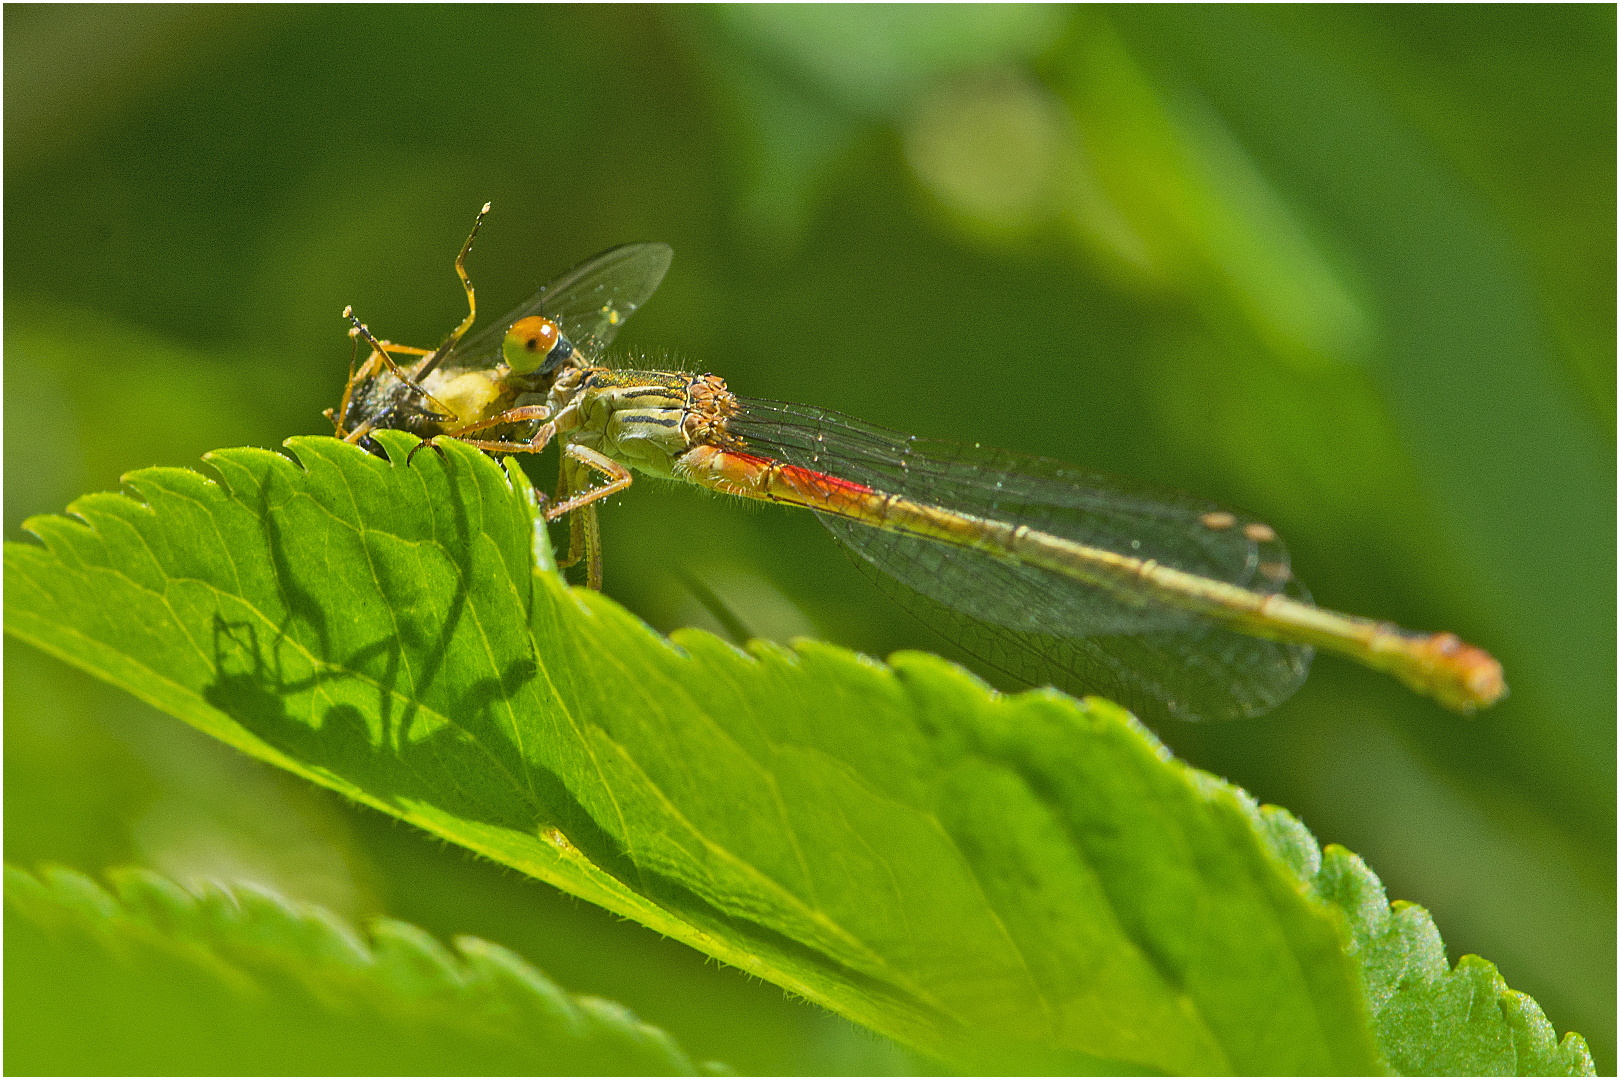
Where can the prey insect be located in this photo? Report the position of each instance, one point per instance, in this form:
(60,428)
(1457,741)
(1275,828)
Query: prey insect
(1049,573)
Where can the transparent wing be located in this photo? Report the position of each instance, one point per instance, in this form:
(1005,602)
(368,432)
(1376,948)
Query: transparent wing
(1035,624)
(590,303)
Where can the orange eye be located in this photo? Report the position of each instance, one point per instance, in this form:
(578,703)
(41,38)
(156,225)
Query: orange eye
(538,335)
(529,342)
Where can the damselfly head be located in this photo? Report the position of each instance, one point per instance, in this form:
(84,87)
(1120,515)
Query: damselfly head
(536,345)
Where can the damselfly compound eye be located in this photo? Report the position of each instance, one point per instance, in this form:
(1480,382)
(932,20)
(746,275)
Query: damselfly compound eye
(529,342)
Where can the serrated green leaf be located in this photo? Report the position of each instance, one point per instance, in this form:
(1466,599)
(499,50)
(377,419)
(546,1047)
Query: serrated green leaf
(1432,1019)
(999,882)
(158,980)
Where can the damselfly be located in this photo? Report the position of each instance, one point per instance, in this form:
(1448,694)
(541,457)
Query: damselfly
(1044,571)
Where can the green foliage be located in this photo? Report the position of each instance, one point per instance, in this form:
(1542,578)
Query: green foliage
(1000,883)
(157,980)
(1429,1019)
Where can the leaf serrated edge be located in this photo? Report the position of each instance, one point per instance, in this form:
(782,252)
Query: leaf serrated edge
(1377,928)
(230,922)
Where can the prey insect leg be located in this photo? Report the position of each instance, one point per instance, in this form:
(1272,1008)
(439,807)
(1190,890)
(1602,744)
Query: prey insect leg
(348,390)
(442,351)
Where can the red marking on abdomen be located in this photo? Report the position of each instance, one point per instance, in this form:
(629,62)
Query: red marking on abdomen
(755,477)
(800,475)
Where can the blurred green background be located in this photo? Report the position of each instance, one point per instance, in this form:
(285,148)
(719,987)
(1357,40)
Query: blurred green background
(1350,269)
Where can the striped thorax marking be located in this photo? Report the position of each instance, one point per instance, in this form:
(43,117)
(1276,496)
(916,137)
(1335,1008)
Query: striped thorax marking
(646,420)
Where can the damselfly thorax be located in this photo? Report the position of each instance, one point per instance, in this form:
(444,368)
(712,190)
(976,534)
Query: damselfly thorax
(645,420)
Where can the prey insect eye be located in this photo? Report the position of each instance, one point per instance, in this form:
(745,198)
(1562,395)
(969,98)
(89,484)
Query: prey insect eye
(529,343)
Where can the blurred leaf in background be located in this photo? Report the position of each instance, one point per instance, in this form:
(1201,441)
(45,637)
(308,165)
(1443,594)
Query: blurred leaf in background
(156,979)
(1351,269)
